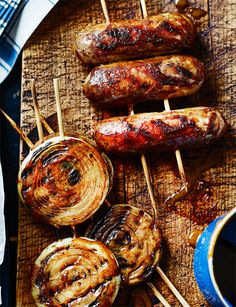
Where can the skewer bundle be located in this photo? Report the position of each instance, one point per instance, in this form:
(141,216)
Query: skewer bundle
(63,181)
(114,236)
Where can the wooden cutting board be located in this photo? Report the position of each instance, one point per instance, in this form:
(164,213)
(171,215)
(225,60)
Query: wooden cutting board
(48,54)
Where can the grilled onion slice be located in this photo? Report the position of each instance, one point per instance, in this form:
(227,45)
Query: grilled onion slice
(64,181)
(75,272)
(134,239)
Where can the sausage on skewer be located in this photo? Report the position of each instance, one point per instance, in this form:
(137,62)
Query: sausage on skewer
(163,131)
(132,39)
(125,83)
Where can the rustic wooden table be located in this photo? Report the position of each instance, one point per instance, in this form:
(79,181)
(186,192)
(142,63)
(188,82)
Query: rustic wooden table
(48,54)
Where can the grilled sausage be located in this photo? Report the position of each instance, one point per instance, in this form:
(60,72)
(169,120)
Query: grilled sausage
(151,79)
(159,131)
(132,39)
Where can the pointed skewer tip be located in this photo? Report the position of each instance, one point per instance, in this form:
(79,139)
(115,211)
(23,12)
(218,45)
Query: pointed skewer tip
(58,105)
(18,130)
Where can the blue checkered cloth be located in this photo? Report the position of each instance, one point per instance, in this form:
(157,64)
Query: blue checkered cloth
(18,20)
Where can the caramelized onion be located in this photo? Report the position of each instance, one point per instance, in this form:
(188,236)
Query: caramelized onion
(75,272)
(134,239)
(64,181)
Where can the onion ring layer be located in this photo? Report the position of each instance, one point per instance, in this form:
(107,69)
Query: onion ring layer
(64,181)
(75,272)
(134,239)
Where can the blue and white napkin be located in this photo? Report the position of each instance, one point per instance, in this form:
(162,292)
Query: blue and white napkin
(18,20)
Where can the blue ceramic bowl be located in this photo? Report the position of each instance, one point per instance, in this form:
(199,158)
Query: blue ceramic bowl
(205,265)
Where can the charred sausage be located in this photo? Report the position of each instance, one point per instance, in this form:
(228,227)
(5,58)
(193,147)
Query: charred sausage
(151,79)
(133,39)
(159,131)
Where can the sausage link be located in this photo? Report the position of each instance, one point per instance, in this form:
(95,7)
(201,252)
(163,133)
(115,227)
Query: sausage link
(163,131)
(133,39)
(151,79)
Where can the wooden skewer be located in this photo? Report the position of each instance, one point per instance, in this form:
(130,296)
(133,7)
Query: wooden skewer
(149,185)
(167,108)
(172,287)
(58,104)
(105,11)
(143,158)
(144,8)
(146,173)
(131,112)
(46,125)
(183,177)
(39,118)
(178,154)
(74,231)
(18,130)
(145,168)
(107,203)
(36,110)
(144,164)
(159,295)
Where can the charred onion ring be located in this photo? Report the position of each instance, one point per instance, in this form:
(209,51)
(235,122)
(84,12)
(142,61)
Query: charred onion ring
(75,272)
(134,239)
(64,181)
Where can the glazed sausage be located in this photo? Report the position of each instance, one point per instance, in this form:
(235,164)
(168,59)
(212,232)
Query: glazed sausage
(162,77)
(164,131)
(133,39)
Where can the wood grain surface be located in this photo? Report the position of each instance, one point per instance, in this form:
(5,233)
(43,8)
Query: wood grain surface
(48,54)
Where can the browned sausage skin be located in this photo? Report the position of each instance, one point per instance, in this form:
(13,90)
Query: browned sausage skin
(150,79)
(160,131)
(132,39)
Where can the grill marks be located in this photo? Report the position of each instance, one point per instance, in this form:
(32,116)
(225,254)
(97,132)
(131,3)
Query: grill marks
(66,182)
(184,72)
(133,39)
(85,273)
(116,37)
(112,38)
(160,131)
(74,177)
(53,156)
(134,239)
(131,82)
(51,173)
(167,26)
